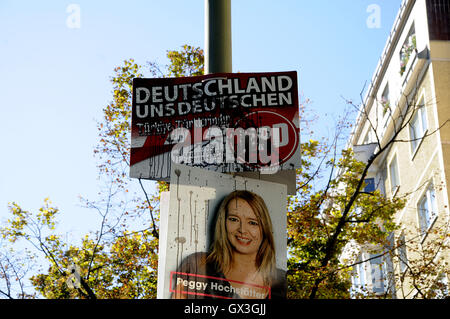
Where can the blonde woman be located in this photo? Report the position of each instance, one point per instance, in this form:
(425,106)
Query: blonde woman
(241,263)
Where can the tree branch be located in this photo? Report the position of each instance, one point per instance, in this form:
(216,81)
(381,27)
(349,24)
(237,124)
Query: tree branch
(155,231)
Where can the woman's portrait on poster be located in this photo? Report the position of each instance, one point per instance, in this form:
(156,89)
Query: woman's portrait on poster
(241,263)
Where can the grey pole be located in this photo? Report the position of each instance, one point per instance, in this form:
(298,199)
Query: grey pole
(218,36)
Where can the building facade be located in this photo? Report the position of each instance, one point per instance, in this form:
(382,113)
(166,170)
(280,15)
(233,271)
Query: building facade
(406,113)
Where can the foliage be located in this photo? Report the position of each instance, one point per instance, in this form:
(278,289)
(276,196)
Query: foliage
(188,62)
(423,268)
(330,211)
(117,261)
(316,216)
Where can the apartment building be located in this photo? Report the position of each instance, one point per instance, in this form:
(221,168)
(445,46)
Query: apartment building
(408,101)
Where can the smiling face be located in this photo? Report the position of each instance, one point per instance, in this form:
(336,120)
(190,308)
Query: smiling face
(243,228)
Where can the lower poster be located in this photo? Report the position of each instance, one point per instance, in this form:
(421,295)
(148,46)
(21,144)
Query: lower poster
(224,236)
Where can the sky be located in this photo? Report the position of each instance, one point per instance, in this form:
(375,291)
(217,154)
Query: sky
(55,75)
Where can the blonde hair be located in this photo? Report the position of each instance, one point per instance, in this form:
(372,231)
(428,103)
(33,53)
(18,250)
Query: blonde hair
(222,250)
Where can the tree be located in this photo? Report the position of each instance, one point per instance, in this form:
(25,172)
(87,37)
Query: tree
(330,211)
(421,273)
(321,222)
(13,271)
(120,259)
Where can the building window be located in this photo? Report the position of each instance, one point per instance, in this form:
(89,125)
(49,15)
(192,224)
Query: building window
(409,46)
(418,127)
(402,255)
(427,210)
(394,176)
(369,138)
(371,275)
(379,274)
(385,106)
(359,277)
(370,185)
(385,100)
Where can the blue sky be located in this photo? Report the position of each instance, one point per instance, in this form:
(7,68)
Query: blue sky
(55,79)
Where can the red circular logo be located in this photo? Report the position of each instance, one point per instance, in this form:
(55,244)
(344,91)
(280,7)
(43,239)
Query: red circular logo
(269,139)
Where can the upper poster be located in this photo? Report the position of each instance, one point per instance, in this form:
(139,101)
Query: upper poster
(225,122)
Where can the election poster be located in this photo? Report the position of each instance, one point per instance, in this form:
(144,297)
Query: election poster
(222,236)
(224,122)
